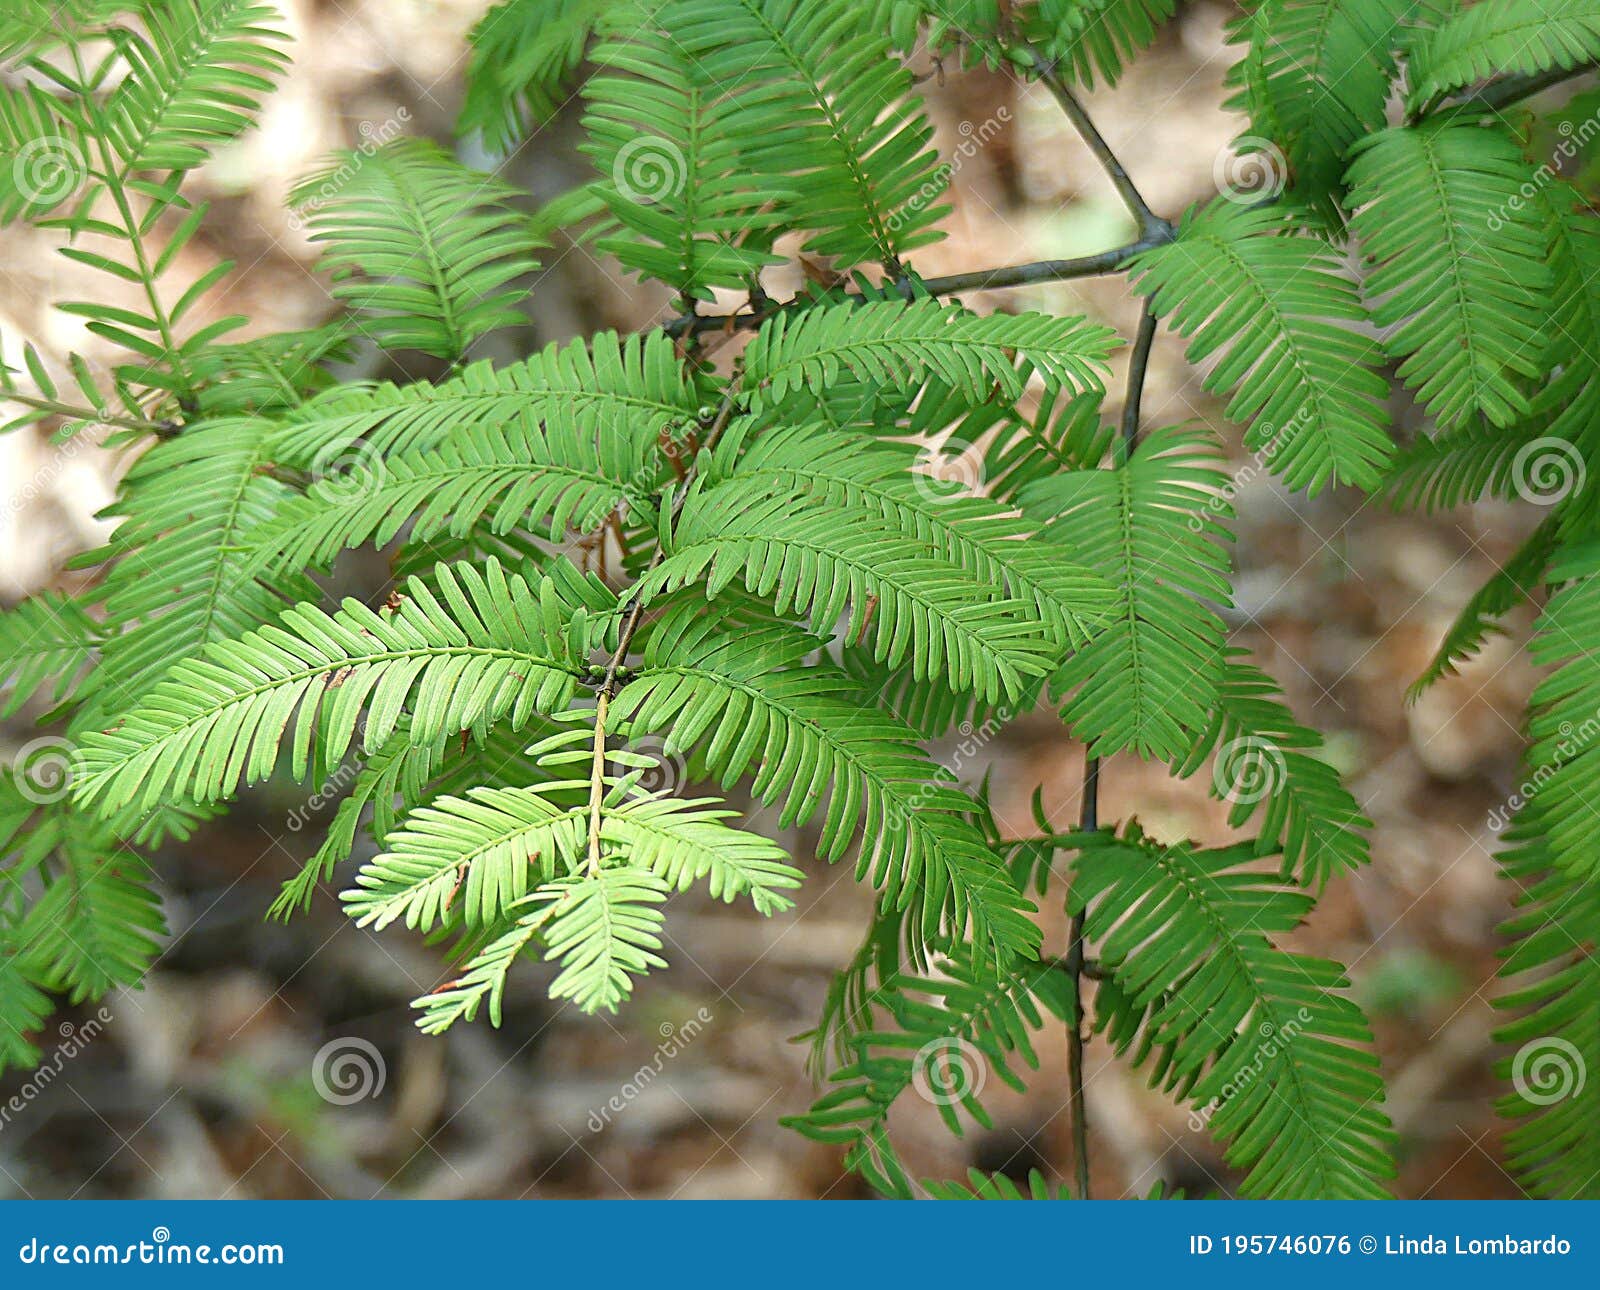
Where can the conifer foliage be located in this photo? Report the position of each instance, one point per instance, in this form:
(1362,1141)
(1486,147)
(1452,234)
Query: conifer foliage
(786,595)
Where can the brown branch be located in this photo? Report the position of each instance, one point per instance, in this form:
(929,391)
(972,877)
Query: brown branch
(1076,965)
(609,685)
(1150,224)
(1138,367)
(1013,275)
(71,412)
(1153,231)
(1089,821)
(1503,93)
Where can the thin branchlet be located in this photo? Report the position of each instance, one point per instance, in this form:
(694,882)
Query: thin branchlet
(611,681)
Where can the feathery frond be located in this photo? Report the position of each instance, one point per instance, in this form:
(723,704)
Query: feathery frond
(178,582)
(753,701)
(423,248)
(827,110)
(571,388)
(941,1031)
(1267,762)
(46,644)
(1148,681)
(1508,587)
(489,648)
(1278,1054)
(1284,324)
(478,856)
(42,158)
(678,164)
(24,1008)
(603,927)
(965,530)
(1562,762)
(1314,80)
(903,345)
(1555,1035)
(523,52)
(77,916)
(97,925)
(518,476)
(819,558)
(1095,38)
(1501,38)
(1459,280)
(196,74)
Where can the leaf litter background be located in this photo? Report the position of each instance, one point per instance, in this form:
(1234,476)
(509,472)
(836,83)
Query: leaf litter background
(203,1083)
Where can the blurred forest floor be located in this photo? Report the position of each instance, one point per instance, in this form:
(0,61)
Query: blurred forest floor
(201,1084)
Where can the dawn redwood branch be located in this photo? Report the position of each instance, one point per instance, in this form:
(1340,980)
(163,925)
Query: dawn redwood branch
(1150,224)
(1153,231)
(1012,275)
(615,669)
(74,412)
(1075,964)
(1088,822)
(1138,368)
(1507,90)
(1023,275)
